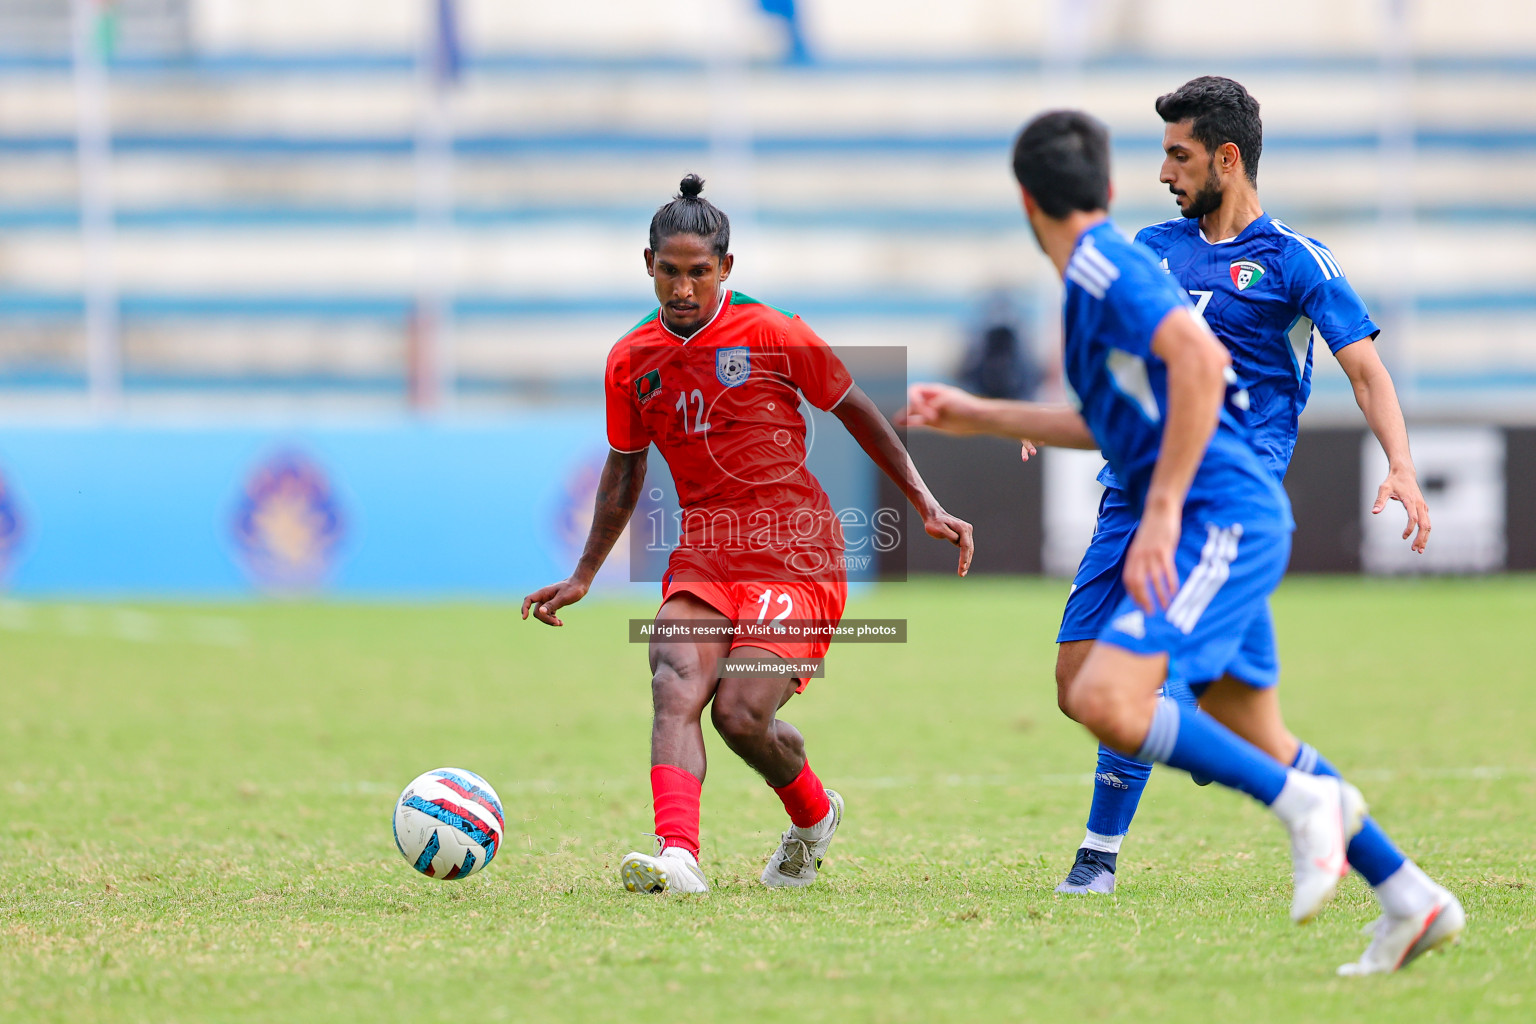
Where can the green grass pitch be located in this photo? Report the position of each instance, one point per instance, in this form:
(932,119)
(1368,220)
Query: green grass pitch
(196,821)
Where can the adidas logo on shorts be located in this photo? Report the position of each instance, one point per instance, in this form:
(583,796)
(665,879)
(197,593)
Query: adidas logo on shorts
(1132,624)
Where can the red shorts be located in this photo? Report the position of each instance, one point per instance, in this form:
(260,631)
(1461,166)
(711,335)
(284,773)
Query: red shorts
(817,603)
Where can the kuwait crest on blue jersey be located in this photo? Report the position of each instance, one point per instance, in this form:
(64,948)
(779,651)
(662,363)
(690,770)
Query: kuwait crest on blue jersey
(1245,272)
(733,365)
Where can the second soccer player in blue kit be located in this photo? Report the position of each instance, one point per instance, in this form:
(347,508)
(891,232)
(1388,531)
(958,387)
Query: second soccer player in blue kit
(1210,530)
(1270,294)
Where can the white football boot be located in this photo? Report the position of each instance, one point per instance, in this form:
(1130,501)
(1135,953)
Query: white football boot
(800,851)
(1319,838)
(674,869)
(1398,941)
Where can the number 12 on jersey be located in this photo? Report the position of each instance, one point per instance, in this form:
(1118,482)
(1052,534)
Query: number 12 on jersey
(700,424)
(784,602)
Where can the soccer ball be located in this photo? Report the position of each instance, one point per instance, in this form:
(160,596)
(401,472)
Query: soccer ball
(448,823)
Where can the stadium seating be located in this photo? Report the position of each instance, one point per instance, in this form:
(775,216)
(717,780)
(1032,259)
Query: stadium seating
(265,182)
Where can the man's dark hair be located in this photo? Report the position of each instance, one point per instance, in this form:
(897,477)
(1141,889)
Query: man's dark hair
(1062,159)
(1221,111)
(689,213)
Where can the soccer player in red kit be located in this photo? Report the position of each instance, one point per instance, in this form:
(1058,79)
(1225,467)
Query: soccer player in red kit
(714,379)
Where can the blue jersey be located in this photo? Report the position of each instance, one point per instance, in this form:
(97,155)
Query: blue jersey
(1268,294)
(1116,296)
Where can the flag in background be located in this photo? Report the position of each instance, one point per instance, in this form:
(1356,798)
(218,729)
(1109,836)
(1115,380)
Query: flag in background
(447,49)
(430,358)
(94,32)
(104,26)
(798,54)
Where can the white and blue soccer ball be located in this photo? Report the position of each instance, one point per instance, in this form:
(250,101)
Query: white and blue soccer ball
(448,823)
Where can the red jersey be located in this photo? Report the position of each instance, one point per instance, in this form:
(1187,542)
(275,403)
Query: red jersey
(723,407)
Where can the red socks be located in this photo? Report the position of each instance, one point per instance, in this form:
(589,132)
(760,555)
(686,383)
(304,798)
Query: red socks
(805,799)
(675,796)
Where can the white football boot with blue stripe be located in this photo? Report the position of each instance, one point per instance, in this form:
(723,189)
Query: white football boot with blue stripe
(800,851)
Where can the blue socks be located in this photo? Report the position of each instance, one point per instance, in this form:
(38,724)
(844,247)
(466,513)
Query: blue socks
(1117,786)
(1370,852)
(1184,738)
(1118,781)
(1203,747)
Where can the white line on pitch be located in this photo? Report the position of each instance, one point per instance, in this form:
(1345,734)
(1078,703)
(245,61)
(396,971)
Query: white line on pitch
(133,625)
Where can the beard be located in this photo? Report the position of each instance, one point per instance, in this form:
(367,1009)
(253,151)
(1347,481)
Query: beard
(1207,199)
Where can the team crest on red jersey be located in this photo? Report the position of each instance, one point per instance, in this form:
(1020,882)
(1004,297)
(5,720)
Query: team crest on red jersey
(733,365)
(647,385)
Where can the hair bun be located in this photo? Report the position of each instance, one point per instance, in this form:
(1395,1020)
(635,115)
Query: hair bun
(691,186)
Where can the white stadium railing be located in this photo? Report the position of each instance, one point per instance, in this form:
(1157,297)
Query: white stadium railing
(265,209)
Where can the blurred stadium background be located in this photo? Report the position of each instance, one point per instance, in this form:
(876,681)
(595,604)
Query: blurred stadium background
(300,295)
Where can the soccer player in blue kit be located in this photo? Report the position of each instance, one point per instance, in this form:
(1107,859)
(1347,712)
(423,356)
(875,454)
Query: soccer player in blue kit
(1270,294)
(1211,537)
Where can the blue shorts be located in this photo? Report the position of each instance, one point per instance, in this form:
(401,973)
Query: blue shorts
(1218,623)
(1097,589)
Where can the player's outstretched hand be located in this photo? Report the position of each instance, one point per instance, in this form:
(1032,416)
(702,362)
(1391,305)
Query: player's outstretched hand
(547,600)
(1402,486)
(943,526)
(941,407)
(1151,575)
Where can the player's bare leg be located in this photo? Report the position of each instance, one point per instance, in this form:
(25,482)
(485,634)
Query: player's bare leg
(1093,866)
(1115,696)
(745,713)
(1070,656)
(684,674)
(1418,916)
(1254,714)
